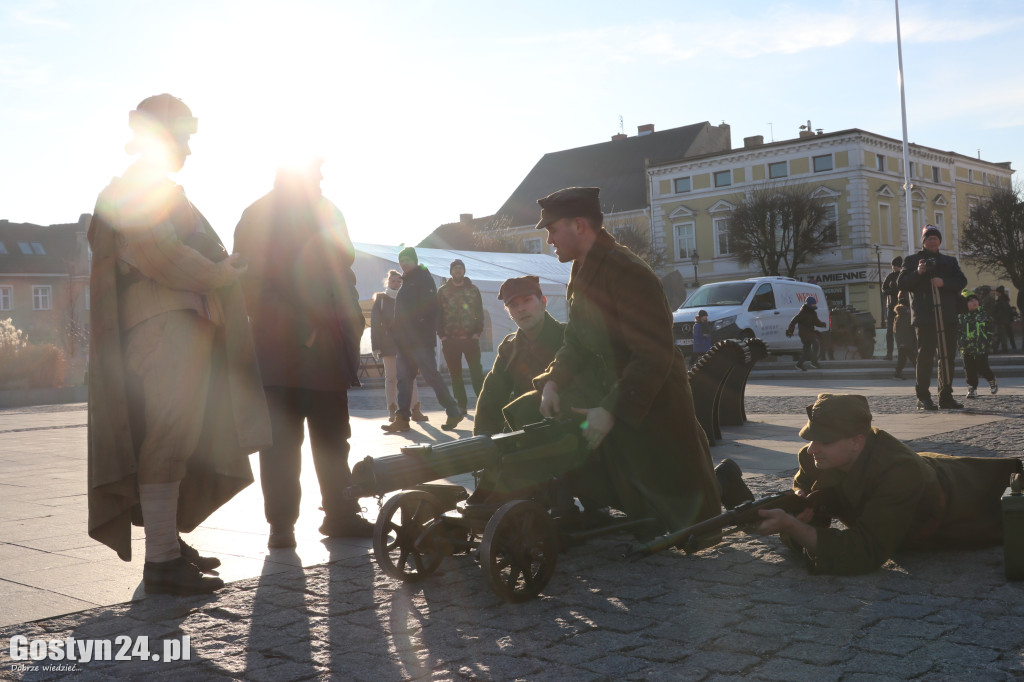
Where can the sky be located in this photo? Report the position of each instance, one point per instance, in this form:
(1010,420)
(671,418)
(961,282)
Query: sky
(427,109)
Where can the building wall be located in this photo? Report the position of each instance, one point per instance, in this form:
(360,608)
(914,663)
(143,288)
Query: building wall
(860,173)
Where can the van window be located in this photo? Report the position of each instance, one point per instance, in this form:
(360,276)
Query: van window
(725,293)
(764,298)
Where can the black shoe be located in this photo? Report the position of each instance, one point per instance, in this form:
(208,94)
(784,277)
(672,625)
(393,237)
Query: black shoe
(204,563)
(926,405)
(177,576)
(800,366)
(451,423)
(898,374)
(950,404)
(281,538)
(349,527)
(730,480)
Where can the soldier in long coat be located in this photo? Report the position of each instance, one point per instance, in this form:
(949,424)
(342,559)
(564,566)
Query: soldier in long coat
(887,495)
(620,370)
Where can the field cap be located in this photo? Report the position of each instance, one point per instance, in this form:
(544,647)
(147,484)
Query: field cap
(834,416)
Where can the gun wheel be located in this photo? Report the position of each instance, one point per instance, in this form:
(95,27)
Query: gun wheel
(406,540)
(519,550)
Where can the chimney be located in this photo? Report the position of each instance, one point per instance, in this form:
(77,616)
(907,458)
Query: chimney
(619,136)
(645,129)
(753,141)
(465,218)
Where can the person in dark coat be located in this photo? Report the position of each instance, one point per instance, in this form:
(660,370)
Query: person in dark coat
(175,404)
(620,371)
(307,323)
(1002,315)
(923,272)
(891,292)
(414,333)
(887,496)
(702,338)
(906,341)
(805,321)
(382,343)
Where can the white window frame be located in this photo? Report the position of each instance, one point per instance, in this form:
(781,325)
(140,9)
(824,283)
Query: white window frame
(814,163)
(940,220)
(880,163)
(936,174)
(42,297)
(721,231)
(6,298)
(835,211)
(530,245)
(885,223)
(683,240)
(689,182)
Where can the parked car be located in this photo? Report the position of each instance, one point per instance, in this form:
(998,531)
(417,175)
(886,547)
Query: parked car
(757,307)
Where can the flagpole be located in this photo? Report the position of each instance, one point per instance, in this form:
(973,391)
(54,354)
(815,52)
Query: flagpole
(907,185)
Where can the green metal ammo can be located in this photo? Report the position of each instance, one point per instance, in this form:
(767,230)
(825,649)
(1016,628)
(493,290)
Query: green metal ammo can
(1013,530)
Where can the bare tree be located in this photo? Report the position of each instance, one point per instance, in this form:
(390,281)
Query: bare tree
(994,236)
(497,237)
(780,228)
(639,243)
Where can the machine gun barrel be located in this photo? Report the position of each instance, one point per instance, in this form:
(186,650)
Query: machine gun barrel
(423,463)
(745,514)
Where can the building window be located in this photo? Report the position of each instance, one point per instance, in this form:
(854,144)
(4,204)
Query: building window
(722,247)
(683,184)
(25,248)
(936,174)
(686,240)
(919,218)
(822,163)
(940,220)
(41,297)
(3,249)
(529,246)
(38,249)
(779,169)
(880,162)
(831,231)
(885,224)
(723,178)
(970,175)
(6,298)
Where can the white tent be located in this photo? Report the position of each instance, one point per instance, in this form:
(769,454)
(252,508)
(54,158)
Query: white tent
(485,269)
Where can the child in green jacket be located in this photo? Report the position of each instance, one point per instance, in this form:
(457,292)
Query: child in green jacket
(975,339)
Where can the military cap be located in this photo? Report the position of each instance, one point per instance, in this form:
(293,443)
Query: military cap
(519,286)
(570,202)
(833,417)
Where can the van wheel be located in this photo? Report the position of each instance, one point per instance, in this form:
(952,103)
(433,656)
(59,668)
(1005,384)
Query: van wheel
(746,334)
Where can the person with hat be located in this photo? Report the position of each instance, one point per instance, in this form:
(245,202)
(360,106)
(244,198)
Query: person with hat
(460,321)
(1002,315)
(891,292)
(621,376)
(382,319)
(302,299)
(805,321)
(175,401)
(887,496)
(521,355)
(923,273)
(702,339)
(975,338)
(414,332)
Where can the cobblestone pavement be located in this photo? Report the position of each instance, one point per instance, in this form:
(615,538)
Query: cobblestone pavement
(745,609)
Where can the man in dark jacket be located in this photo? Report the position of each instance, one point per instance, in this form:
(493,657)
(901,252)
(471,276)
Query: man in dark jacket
(1003,318)
(307,323)
(922,273)
(460,321)
(891,295)
(414,333)
(805,321)
(886,495)
(620,371)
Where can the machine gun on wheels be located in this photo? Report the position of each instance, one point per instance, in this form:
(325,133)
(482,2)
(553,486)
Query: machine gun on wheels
(514,532)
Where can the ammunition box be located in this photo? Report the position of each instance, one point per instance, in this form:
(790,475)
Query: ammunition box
(1013,534)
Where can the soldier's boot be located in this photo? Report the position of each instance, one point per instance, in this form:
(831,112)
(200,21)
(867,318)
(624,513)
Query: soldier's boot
(392,411)
(400,425)
(734,491)
(417,415)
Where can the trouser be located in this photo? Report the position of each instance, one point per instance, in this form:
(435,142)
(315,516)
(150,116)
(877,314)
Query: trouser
(326,414)
(1004,332)
(975,364)
(905,356)
(453,350)
(167,358)
(810,353)
(391,382)
(927,350)
(890,337)
(415,360)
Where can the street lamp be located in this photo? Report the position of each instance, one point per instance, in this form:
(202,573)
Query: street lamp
(881,294)
(695,257)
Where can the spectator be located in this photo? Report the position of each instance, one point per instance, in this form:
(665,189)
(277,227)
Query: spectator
(891,296)
(805,321)
(460,321)
(702,341)
(1002,316)
(382,319)
(976,340)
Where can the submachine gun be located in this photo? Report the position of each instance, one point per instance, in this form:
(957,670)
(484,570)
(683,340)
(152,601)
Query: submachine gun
(548,447)
(709,532)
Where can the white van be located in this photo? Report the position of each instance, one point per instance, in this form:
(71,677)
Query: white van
(759,306)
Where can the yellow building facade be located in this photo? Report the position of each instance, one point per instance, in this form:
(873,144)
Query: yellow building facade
(859,176)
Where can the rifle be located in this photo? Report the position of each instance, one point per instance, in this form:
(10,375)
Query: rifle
(545,446)
(697,536)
